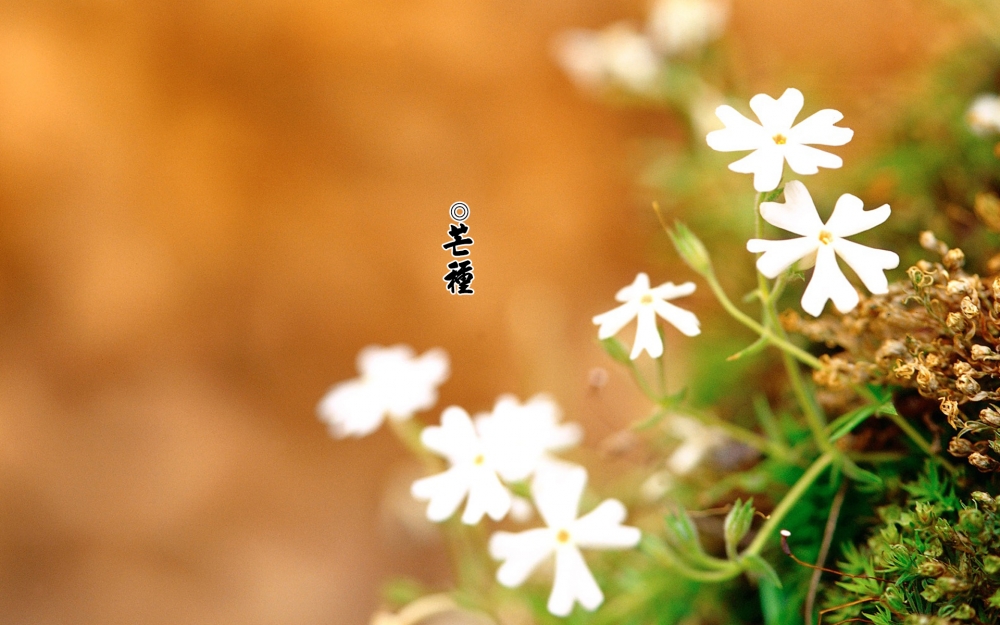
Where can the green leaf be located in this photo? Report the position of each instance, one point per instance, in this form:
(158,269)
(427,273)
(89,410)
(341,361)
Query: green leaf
(616,350)
(858,474)
(845,424)
(759,569)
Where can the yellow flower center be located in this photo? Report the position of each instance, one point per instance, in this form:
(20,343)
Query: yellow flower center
(646,299)
(562,536)
(480,459)
(825,237)
(780,139)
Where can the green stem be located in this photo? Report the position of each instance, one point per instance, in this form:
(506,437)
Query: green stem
(782,344)
(789,500)
(815,419)
(919,441)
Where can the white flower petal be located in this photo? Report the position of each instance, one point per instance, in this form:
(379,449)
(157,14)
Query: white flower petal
(779,255)
(798,214)
(819,129)
(639,286)
(647,337)
(602,528)
(445,492)
(521,553)
(805,160)
(557,490)
(455,438)
(777,115)
(739,134)
(683,320)
(486,496)
(351,408)
(669,290)
(850,217)
(378,361)
(766,165)
(868,262)
(573,582)
(614,320)
(828,282)
(521,509)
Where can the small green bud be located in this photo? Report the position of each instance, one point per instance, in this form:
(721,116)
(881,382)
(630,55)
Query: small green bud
(971,520)
(737,524)
(991,564)
(932,568)
(931,594)
(934,549)
(994,599)
(951,585)
(691,249)
(985,499)
(963,612)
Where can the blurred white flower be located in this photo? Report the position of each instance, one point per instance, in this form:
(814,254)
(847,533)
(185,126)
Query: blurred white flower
(617,55)
(696,439)
(820,244)
(679,26)
(393,382)
(525,435)
(983,115)
(557,496)
(475,459)
(644,303)
(775,140)
(702,107)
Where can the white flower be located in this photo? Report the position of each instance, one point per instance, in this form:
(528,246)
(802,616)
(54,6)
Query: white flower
(475,462)
(775,140)
(557,496)
(645,303)
(678,26)
(393,382)
(525,435)
(820,244)
(616,55)
(983,115)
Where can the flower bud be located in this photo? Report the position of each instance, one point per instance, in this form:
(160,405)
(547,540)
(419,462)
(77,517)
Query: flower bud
(969,308)
(959,447)
(967,385)
(955,323)
(964,612)
(953,259)
(971,520)
(932,568)
(691,249)
(983,498)
(951,585)
(983,462)
(931,594)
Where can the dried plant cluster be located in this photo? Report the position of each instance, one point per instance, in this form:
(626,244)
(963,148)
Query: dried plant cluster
(937,332)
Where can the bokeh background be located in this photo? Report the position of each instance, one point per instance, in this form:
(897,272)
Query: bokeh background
(207,208)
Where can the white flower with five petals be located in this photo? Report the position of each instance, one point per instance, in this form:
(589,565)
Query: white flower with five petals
(476,460)
(820,244)
(644,303)
(526,435)
(394,382)
(557,495)
(774,140)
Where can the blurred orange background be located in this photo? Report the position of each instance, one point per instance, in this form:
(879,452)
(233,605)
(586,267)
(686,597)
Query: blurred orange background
(207,208)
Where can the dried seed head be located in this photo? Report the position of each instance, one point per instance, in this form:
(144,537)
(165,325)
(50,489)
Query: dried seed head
(996,288)
(953,259)
(969,308)
(929,242)
(950,409)
(959,447)
(967,385)
(981,352)
(983,498)
(926,381)
(951,585)
(989,416)
(957,287)
(962,368)
(904,370)
(932,360)
(955,323)
(983,462)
